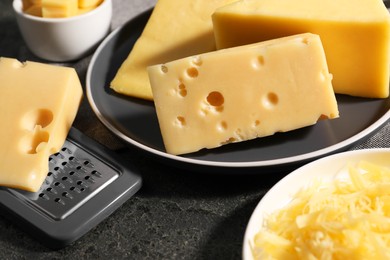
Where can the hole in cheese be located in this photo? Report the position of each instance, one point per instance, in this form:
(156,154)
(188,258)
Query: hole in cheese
(35,141)
(192,72)
(323,117)
(222,126)
(164,69)
(260,59)
(197,61)
(182,90)
(42,117)
(270,100)
(228,141)
(181,121)
(215,99)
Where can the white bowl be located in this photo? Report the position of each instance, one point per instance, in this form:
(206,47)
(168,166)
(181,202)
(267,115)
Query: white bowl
(64,39)
(282,192)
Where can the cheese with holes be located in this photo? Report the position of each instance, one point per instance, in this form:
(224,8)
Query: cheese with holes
(176,29)
(355,35)
(241,93)
(59,8)
(38,104)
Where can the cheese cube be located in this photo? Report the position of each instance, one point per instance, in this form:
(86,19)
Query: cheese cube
(35,10)
(176,29)
(241,93)
(89,3)
(59,8)
(355,35)
(29,3)
(38,104)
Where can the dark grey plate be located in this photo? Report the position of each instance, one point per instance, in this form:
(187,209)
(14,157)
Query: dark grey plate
(135,120)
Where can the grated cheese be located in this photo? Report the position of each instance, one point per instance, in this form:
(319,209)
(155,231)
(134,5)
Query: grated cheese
(348,218)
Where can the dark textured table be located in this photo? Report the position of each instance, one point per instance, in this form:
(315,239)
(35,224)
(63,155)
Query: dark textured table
(176,214)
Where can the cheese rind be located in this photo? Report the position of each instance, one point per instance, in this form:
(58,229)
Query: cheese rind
(241,93)
(38,104)
(355,36)
(176,29)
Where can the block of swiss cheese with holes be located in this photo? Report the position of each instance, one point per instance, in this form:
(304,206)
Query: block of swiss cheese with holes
(38,104)
(241,93)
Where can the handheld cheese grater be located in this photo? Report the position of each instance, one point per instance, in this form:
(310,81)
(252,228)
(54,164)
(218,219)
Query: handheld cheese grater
(85,184)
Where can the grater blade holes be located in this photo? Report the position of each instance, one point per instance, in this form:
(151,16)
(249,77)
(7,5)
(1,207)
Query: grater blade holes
(74,177)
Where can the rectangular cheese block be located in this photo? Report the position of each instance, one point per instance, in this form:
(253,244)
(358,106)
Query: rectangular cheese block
(59,8)
(38,104)
(355,35)
(241,93)
(176,29)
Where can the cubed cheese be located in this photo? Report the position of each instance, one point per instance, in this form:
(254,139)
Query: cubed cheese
(89,3)
(242,93)
(29,3)
(176,29)
(38,104)
(35,10)
(355,35)
(59,8)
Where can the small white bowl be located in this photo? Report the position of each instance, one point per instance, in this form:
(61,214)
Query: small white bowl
(326,169)
(64,39)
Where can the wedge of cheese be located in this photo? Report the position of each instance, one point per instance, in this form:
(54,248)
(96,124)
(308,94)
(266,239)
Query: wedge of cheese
(38,104)
(241,93)
(176,29)
(355,35)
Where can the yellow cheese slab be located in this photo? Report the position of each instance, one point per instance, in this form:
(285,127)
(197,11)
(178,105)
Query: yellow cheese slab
(59,8)
(176,29)
(241,93)
(355,35)
(38,104)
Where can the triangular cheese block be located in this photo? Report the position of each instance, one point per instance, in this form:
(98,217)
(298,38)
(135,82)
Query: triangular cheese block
(355,35)
(176,29)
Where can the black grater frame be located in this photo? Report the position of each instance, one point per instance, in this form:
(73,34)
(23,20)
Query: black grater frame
(98,200)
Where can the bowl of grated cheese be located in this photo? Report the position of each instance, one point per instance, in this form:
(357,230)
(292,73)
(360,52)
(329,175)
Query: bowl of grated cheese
(337,207)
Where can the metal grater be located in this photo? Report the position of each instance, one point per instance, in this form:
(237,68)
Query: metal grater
(85,184)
